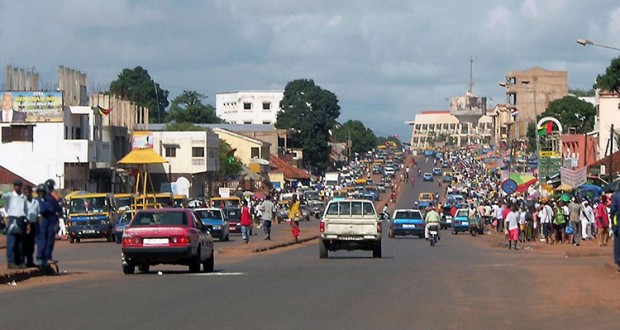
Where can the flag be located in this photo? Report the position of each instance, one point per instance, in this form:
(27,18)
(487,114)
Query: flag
(549,127)
(230,155)
(542,131)
(102,111)
(546,129)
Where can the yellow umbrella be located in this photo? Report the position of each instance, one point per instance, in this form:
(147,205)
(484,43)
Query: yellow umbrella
(564,187)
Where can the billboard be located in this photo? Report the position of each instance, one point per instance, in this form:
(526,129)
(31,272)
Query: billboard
(141,140)
(31,107)
(468,105)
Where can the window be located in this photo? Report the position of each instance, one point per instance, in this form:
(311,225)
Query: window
(21,133)
(171,152)
(254,152)
(266,123)
(266,105)
(198,151)
(247,106)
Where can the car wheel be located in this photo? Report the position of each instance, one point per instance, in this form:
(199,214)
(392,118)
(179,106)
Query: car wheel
(209,265)
(194,264)
(391,233)
(454,232)
(78,240)
(222,238)
(117,239)
(109,238)
(227,238)
(144,268)
(420,236)
(376,251)
(323,254)
(128,269)
(71,240)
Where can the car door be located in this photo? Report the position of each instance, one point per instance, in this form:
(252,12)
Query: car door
(206,243)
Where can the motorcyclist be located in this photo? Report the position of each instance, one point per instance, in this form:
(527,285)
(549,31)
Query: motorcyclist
(384,212)
(419,172)
(415,205)
(431,219)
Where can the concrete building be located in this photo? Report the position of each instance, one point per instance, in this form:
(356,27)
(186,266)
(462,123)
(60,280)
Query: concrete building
(248,107)
(248,149)
(580,151)
(608,114)
(530,92)
(431,126)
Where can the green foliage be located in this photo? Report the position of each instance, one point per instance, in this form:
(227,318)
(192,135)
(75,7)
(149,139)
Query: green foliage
(183,127)
(582,93)
(532,135)
(610,81)
(228,168)
(442,137)
(310,112)
(362,138)
(568,110)
(381,140)
(137,85)
(188,107)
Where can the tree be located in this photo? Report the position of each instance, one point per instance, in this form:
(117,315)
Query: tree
(188,107)
(382,140)
(362,138)
(532,135)
(310,112)
(610,81)
(230,165)
(570,110)
(136,85)
(582,93)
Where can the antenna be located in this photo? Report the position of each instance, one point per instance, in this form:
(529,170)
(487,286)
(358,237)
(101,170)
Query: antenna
(471,74)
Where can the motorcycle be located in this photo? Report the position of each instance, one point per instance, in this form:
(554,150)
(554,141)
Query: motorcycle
(433,234)
(384,216)
(475,226)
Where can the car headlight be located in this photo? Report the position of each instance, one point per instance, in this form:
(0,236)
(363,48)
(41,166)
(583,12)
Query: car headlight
(217,227)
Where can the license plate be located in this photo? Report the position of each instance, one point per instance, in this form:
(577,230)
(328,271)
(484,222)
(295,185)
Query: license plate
(449,220)
(88,231)
(408,226)
(465,223)
(351,238)
(232,228)
(432,232)
(155,241)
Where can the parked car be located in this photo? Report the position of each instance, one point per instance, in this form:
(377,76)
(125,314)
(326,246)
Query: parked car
(119,226)
(167,236)
(213,219)
(428,177)
(406,222)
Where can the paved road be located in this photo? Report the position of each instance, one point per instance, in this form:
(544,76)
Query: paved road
(459,284)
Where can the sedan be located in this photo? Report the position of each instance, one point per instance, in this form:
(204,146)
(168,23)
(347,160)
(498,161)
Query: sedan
(460,223)
(428,177)
(444,164)
(436,171)
(174,236)
(232,215)
(213,219)
(406,222)
(119,226)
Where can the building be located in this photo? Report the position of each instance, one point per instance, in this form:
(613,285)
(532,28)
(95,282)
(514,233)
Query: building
(529,92)
(608,115)
(578,150)
(502,120)
(429,127)
(248,149)
(248,107)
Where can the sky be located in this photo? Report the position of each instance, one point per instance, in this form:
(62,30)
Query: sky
(386,60)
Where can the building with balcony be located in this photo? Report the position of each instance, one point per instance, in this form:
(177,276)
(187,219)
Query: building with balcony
(429,127)
(248,107)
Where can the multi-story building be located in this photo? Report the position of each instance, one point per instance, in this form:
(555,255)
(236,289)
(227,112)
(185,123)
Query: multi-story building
(608,115)
(530,92)
(429,127)
(248,107)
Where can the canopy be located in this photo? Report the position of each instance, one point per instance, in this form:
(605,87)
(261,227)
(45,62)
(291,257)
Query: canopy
(142,156)
(612,186)
(565,197)
(564,187)
(523,181)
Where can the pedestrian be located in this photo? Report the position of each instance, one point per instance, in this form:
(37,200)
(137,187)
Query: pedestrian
(574,209)
(245,222)
(48,223)
(602,222)
(15,204)
(293,215)
(32,214)
(511,223)
(585,212)
(268,210)
(559,223)
(615,213)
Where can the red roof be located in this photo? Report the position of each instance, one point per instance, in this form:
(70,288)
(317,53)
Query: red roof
(430,112)
(289,171)
(7,177)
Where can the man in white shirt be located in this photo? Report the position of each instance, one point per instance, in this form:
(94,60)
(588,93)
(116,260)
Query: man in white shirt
(15,204)
(32,213)
(546,217)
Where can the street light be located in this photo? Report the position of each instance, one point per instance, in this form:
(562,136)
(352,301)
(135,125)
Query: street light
(585,42)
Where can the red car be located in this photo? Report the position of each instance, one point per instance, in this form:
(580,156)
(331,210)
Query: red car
(167,236)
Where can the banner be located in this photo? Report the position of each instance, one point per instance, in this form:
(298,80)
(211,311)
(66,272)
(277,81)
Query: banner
(31,107)
(141,140)
(573,178)
(468,105)
(550,154)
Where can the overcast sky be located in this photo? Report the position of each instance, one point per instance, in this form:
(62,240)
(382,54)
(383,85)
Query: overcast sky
(386,60)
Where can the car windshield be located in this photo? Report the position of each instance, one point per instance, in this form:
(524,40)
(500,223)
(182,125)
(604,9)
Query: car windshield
(122,202)
(209,214)
(88,205)
(225,203)
(233,214)
(125,218)
(426,196)
(159,219)
(462,213)
(408,215)
(351,208)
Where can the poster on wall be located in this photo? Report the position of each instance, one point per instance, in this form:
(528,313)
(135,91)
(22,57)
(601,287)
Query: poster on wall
(468,105)
(31,107)
(141,140)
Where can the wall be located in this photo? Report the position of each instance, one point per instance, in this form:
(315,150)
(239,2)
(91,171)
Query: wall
(577,146)
(244,145)
(608,114)
(230,106)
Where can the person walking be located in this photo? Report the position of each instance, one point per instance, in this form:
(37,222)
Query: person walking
(32,214)
(15,204)
(602,221)
(546,218)
(585,217)
(48,223)
(268,210)
(615,214)
(574,209)
(511,223)
(293,215)
(245,222)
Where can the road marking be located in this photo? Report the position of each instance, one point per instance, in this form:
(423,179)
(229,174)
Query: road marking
(217,274)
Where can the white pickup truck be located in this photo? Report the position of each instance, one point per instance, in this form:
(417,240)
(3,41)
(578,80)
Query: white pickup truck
(350,225)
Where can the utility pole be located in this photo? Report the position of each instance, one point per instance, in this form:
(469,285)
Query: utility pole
(471,74)
(611,151)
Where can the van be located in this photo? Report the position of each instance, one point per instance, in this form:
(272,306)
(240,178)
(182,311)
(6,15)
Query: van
(91,216)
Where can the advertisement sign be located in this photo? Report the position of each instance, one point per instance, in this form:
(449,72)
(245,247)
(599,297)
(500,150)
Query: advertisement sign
(31,107)
(573,178)
(468,105)
(141,140)
(549,154)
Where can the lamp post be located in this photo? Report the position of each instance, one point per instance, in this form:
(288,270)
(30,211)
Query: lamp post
(585,42)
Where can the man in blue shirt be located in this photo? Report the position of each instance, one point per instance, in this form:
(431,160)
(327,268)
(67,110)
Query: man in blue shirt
(48,226)
(614,214)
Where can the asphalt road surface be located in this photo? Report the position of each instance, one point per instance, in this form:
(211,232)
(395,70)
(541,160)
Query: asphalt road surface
(458,284)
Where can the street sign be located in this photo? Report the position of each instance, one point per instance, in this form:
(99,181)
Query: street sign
(548,154)
(509,186)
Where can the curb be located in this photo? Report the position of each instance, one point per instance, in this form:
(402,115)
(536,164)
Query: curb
(20,275)
(281,245)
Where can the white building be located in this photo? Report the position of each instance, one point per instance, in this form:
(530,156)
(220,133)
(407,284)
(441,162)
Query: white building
(248,107)
(608,115)
(431,126)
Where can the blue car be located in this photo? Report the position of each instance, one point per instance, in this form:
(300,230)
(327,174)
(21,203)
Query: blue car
(428,177)
(437,171)
(428,153)
(119,226)
(213,219)
(460,223)
(406,222)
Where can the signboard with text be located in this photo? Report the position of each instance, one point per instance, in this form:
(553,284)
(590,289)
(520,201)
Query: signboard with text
(141,140)
(573,178)
(31,107)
